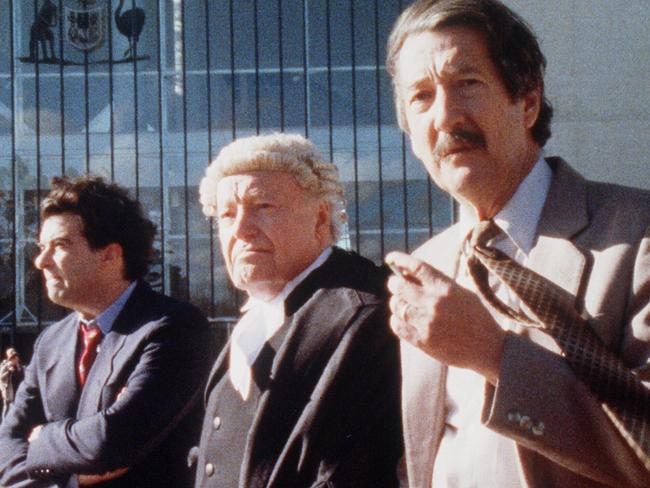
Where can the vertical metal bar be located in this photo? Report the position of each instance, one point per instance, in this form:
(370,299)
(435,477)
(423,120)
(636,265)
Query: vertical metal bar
(208,68)
(161,175)
(37,110)
(136,118)
(61,91)
(330,118)
(404,173)
(257,68)
(233,106)
(355,155)
(87,111)
(185,155)
(305,63)
(380,173)
(455,210)
(209,96)
(430,205)
(111,89)
(405,192)
(281,64)
(14,174)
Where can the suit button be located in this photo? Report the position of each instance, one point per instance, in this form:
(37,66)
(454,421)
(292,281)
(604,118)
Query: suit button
(514,416)
(209,469)
(525,422)
(538,429)
(216,423)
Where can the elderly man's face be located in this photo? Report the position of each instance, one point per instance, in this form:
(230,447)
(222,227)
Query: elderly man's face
(471,136)
(270,229)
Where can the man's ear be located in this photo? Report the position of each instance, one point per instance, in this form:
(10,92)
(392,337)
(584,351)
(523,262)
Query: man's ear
(532,102)
(323,229)
(112,252)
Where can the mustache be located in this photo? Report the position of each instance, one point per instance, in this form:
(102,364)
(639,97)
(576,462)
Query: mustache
(458,140)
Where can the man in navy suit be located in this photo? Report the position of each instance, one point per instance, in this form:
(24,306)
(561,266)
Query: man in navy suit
(109,396)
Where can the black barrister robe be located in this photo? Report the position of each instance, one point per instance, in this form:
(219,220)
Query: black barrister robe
(331,415)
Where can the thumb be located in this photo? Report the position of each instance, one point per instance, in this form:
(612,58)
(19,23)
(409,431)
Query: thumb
(411,268)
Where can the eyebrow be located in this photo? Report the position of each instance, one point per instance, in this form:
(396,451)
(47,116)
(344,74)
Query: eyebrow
(63,238)
(417,83)
(454,68)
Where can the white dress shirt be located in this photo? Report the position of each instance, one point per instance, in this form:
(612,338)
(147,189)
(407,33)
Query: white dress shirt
(471,455)
(261,320)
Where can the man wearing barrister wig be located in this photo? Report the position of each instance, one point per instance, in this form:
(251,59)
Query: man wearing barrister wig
(306,391)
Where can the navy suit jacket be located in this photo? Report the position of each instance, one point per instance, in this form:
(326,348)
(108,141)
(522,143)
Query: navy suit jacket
(155,359)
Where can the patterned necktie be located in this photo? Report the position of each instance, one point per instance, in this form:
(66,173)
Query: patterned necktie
(624,398)
(91,335)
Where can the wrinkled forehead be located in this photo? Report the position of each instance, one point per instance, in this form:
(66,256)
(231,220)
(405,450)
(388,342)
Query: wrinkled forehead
(270,185)
(453,50)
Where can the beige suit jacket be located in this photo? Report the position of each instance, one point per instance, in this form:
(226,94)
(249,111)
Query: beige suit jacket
(593,240)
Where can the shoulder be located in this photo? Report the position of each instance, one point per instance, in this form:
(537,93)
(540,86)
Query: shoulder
(347,289)
(56,330)
(147,309)
(613,209)
(351,301)
(175,306)
(157,304)
(349,275)
(624,203)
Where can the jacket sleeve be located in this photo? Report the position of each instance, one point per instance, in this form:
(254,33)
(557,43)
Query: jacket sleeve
(544,407)
(162,387)
(25,413)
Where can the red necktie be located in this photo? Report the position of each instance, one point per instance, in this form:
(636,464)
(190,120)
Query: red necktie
(91,335)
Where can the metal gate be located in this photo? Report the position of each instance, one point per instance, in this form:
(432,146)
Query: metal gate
(145,92)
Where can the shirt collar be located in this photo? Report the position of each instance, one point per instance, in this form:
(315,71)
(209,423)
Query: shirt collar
(520,216)
(106,319)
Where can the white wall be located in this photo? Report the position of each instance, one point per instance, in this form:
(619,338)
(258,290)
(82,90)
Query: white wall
(598,80)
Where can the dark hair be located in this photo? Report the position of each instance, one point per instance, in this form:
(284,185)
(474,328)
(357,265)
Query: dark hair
(109,216)
(513,48)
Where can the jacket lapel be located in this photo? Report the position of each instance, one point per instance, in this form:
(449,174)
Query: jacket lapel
(104,366)
(102,370)
(62,388)
(295,369)
(257,463)
(218,370)
(564,215)
(423,378)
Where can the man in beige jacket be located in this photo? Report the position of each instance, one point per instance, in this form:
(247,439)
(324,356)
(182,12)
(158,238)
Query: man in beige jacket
(488,402)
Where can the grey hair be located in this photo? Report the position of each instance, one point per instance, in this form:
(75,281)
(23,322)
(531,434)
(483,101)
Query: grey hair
(289,153)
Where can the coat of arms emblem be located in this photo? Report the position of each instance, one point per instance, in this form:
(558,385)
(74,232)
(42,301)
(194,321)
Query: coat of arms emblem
(84,29)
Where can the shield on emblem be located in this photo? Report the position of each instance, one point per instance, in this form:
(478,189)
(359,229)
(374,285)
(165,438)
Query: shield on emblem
(84,29)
